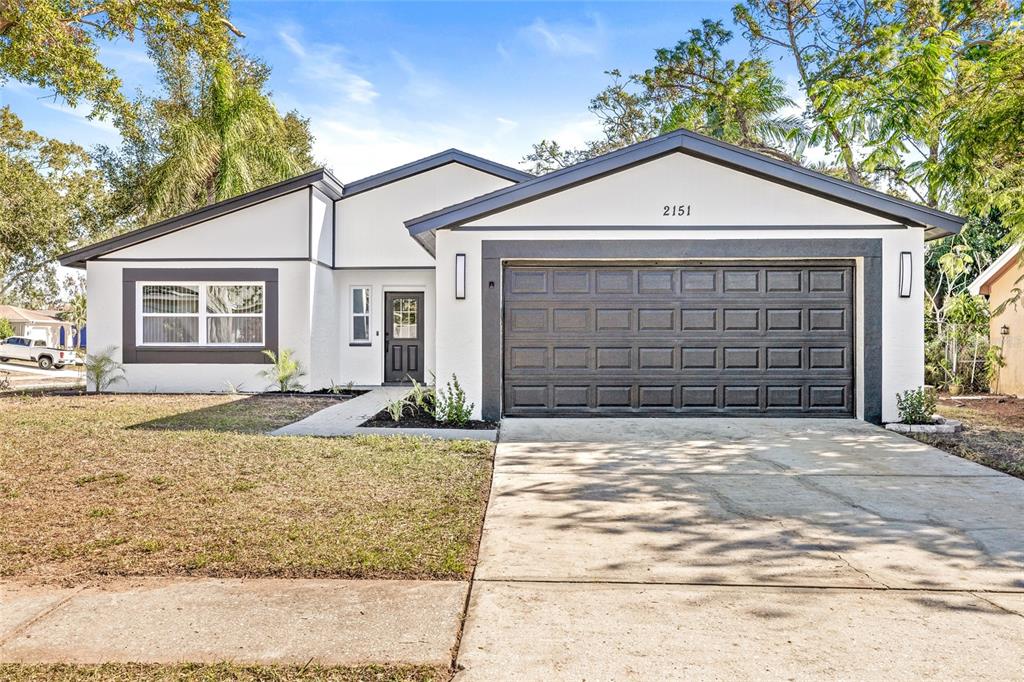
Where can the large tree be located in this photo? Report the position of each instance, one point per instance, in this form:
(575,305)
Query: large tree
(54,44)
(212,133)
(983,161)
(232,143)
(51,198)
(691,85)
(741,102)
(882,80)
(820,37)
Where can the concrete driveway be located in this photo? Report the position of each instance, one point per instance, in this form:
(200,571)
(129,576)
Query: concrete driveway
(743,548)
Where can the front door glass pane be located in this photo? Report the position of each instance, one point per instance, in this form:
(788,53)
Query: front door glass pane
(403,318)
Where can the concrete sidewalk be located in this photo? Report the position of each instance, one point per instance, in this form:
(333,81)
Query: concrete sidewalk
(160,620)
(343,419)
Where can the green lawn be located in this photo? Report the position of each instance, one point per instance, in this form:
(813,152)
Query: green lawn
(134,672)
(189,485)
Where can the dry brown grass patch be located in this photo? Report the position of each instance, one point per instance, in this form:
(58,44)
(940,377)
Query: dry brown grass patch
(188,485)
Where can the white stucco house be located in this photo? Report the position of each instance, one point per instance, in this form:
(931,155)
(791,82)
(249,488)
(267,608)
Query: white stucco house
(678,276)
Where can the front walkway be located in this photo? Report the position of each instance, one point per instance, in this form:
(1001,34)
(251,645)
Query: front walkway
(742,549)
(160,620)
(344,418)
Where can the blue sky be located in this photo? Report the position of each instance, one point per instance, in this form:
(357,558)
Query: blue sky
(386,83)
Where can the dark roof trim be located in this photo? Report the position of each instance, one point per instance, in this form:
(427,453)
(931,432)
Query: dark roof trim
(432,162)
(321,178)
(938,223)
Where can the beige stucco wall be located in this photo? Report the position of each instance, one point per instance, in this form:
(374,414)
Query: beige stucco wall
(1011,377)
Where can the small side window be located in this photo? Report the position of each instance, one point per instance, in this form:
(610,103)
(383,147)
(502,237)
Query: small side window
(360,325)
(39,343)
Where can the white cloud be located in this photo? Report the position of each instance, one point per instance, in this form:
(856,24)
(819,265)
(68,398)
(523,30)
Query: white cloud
(323,65)
(81,113)
(355,144)
(506,125)
(567,39)
(418,84)
(576,131)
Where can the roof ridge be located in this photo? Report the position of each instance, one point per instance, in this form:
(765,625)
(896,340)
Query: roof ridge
(700,146)
(319,177)
(450,155)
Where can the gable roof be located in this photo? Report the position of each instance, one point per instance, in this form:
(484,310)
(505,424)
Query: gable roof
(936,223)
(1000,266)
(320,178)
(435,161)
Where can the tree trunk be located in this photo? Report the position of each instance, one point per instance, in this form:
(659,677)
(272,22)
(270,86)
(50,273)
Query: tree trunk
(845,150)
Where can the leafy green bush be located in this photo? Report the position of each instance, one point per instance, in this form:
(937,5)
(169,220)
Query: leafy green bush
(102,370)
(957,344)
(916,406)
(6,329)
(451,407)
(286,371)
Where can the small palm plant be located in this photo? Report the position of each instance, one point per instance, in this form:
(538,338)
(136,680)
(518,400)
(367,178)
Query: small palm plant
(233,142)
(421,397)
(286,371)
(397,409)
(102,370)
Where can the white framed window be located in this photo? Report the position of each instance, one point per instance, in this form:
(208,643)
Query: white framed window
(360,324)
(200,313)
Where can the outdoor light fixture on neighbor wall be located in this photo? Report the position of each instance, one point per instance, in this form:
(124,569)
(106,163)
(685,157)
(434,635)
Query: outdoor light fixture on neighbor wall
(906,274)
(460,276)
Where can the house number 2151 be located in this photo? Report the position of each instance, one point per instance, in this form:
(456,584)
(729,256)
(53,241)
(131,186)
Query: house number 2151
(676,210)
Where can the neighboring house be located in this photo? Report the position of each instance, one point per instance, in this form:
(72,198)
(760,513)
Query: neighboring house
(36,324)
(998,282)
(681,275)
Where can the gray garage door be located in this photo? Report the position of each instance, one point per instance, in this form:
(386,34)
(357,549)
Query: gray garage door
(700,338)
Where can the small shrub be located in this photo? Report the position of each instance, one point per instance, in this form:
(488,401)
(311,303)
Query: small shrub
(451,407)
(6,328)
(422,397)
(286,371)
(232,388)
(102,370)
(397,409)
(916,406)
(994,361)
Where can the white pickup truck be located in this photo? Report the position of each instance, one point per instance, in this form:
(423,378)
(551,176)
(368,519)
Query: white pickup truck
(36,350)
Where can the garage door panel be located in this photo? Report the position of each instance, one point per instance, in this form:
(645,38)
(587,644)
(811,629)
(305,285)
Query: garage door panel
(728,339)
(757,357)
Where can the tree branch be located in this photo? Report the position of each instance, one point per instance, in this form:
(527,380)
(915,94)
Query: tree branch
(231,27)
